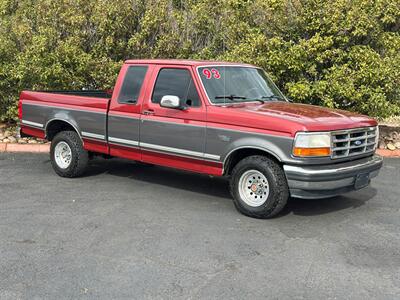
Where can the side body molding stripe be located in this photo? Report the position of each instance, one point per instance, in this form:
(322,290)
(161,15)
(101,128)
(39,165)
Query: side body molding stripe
(123,141)
(164,148)
(180,151)
(26,122)
(92,135)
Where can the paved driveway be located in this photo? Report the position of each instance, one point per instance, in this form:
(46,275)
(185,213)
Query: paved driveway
(132,231)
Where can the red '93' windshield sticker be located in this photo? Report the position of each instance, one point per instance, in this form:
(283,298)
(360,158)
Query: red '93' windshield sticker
(211,74)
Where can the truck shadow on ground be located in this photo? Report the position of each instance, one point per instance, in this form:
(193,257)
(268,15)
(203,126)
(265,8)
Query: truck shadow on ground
(314,207)
(219,187)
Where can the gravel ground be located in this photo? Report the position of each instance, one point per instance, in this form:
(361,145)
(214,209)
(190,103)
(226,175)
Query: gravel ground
(10,135)
(129,231)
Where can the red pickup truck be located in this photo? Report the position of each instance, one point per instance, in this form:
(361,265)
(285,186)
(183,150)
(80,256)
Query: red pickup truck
(217,118)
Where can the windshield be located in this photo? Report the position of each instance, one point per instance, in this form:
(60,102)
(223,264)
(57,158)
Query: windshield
(238,84)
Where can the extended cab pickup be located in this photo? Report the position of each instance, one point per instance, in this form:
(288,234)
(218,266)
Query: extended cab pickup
(217,118)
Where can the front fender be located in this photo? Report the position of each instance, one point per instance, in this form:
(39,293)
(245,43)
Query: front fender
(224,142)
(279,148)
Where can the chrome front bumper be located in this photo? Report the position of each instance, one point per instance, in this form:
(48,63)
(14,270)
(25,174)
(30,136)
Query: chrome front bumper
(324,181)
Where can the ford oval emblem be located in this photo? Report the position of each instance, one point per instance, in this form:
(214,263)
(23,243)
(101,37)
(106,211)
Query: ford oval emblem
(357,143)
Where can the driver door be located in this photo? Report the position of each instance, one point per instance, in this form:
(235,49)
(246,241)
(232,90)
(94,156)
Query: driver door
(171,136)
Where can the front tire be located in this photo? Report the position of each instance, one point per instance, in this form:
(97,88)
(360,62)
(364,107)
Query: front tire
(67,155)
(259,187)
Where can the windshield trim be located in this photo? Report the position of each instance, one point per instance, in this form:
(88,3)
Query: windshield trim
(230,65)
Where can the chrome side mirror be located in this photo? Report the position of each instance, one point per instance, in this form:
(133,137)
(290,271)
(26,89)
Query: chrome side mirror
(170,101)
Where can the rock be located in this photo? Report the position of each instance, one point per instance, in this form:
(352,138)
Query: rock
(395,136)
(32,142)
(7,133)
(390,146)
(382,145)
(22,141)
(12,139)
(397,145)
(6,140)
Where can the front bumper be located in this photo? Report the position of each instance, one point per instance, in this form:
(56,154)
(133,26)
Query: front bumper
(325,181)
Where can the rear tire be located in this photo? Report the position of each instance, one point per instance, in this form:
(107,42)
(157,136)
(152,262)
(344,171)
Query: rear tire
(67,155)
(259,187)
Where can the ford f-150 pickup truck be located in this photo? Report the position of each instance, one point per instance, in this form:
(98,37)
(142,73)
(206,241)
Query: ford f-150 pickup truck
(217,118)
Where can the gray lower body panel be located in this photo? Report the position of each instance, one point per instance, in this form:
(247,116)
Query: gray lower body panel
(312,182)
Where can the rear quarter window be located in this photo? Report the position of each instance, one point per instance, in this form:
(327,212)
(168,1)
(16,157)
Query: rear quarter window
(132,84)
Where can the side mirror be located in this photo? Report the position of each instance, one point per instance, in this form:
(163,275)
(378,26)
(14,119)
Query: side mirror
(170,101)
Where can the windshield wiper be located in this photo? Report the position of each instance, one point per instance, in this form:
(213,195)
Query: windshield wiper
(230,97)
(262,101)
(271,97)
(233,98)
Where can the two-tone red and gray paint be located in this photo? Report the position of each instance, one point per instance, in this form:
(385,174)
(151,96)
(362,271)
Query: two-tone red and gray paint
(207,139)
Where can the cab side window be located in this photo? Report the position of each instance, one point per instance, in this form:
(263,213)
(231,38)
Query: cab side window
(176,82)
(132,84)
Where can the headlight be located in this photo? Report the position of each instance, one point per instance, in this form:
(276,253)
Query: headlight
(309,144)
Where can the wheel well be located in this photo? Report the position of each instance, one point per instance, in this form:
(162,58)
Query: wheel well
(239,154)
(57,126)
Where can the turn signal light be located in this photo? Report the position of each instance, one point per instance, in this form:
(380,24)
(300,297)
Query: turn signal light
(326,151)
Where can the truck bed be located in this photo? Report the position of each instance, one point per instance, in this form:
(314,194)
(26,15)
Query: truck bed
(85,111)
(84,99)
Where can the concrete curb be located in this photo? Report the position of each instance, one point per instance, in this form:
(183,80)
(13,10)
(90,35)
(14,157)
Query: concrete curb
(45,148)
(388,153)
(30,148)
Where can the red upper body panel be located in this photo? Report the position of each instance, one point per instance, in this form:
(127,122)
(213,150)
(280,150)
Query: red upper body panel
(71,101)
(287,118)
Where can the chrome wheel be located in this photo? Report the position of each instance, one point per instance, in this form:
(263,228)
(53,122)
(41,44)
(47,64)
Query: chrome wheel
(253,188)
(63,155)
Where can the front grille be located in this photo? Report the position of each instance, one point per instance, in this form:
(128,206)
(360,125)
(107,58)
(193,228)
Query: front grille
(352,142)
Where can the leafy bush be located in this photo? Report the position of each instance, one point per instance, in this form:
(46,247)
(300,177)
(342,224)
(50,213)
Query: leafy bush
(341,54)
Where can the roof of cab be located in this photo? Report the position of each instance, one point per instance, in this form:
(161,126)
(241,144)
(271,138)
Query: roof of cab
(185,62)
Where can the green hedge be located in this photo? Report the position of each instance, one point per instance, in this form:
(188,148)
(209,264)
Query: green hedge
(342,53)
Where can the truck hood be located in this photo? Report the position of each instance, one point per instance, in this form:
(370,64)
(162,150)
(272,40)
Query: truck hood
(292,117)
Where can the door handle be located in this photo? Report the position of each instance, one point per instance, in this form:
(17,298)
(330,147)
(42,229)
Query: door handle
(148,112)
